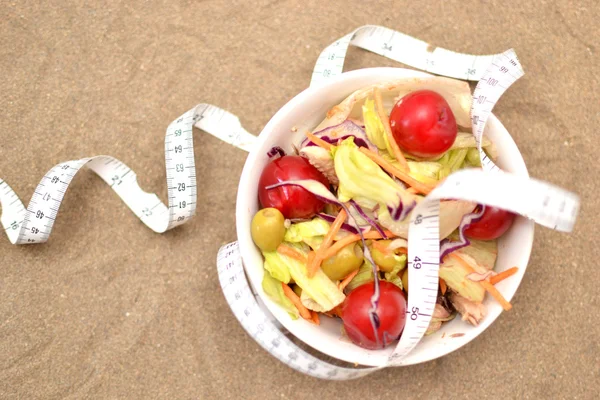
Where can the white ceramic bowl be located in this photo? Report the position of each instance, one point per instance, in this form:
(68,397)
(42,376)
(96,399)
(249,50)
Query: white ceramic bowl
(307,110)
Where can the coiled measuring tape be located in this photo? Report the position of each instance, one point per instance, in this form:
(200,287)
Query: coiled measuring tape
(547,205)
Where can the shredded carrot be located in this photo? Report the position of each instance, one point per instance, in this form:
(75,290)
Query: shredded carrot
(412,190)
(289,293)
(318,141)
(313,267)
(497,295)
(486,285)
(311,257)
(340,244)
(403,176)
(291,252)
(402,250)
(342,285)
(337,311)
(503,275)
(388,130)
(315,318)
(443,286)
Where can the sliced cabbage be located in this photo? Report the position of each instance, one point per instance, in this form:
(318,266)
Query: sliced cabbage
(299,231)
(484,252)
(346,129)
(361,178)
(364,275)
(467,140)
(455,275)
(277,265)
(319,288)
(272,288)
(425,171)
(451,162)
(451,213)
(322,160)
(393,276)
(374,127)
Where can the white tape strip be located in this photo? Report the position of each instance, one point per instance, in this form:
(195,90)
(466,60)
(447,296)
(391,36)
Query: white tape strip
(402,48)
(34,224)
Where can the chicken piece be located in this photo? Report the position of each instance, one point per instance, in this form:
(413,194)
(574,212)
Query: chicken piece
(469,310)
(321,159)
(440,314)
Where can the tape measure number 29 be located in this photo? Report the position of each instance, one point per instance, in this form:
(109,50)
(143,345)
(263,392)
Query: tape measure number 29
(547,205)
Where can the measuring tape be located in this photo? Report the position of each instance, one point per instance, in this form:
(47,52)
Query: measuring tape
(545,204)
(34,224)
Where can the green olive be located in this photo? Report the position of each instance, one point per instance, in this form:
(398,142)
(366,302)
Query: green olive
(405,280)
(297,289)
(385,261)
(268,229)
(348,259)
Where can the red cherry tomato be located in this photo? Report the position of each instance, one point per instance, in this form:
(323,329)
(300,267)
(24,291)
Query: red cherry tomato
(292,201)
(493,224)
(391,313)
(423,124)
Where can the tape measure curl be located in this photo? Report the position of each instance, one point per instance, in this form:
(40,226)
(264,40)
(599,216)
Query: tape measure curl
(34,224)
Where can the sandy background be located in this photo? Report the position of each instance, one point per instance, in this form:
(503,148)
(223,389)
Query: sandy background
(108,309)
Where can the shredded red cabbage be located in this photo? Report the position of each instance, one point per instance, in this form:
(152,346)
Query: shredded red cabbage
(345,226)
(346,129)
(368,219)
(447,246)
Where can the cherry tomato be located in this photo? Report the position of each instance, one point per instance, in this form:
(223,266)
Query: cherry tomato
(292,201)
(492,224)
(390,312)
(423,124)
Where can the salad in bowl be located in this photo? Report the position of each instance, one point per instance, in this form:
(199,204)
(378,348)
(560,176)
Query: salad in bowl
(335,198)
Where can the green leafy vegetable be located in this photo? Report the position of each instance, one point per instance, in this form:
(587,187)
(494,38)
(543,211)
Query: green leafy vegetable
(455,275)
(319,288)
(299,231)
(393,276)
(374,127)
(424,171)
(272,288)
(278,265)
(473,157)
(364,275)
(451,162)
(361,178)
(483,252)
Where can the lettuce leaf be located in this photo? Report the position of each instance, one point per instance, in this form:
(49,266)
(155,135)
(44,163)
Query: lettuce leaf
(424,171)
(364,275)
(483,252)
(299,231)
(277,265)
(455,275)
(361,178)
(319,288)
(272,288)
(452,161)
(393,276)
(374,127)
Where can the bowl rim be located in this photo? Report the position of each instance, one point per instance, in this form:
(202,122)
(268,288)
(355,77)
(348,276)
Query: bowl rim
(246,244)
